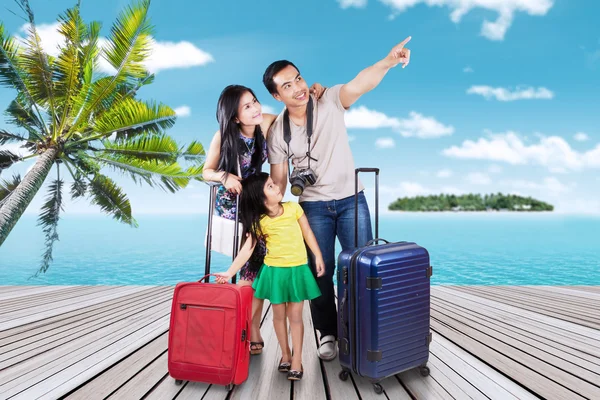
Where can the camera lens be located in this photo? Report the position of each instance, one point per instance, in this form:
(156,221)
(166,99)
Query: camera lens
(297,187)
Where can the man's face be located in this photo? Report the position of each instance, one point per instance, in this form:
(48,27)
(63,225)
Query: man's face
(292,90)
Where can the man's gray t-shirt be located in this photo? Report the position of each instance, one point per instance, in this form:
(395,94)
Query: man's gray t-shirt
(334,167)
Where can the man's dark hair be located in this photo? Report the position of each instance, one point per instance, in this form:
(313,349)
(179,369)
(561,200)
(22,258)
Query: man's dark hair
(273,70)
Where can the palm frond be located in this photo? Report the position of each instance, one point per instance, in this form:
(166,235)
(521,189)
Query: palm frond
(79,186)
(11,74)
(49,217)
(146,147)
(23,116)
(111,199)
(195,172)
(7,187)
(88,61)
(167,176)
(131,117)
(6,137)
(8,158)
(194,152)
(128,45)
(67,65)
(35,63)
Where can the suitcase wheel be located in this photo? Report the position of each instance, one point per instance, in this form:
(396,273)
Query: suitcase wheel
(343,375)
(424,370)
(178,381)
(229,387)
(378,388)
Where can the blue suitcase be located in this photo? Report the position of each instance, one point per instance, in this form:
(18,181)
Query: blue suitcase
(383,306)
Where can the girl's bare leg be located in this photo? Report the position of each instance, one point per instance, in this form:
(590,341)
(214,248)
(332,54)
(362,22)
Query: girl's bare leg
(280,325)
(294,314)
(257,307)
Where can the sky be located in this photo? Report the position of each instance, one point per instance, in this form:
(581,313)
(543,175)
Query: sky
(499,96)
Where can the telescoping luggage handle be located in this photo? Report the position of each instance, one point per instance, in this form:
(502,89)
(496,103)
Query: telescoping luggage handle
(213,187)
(377,238)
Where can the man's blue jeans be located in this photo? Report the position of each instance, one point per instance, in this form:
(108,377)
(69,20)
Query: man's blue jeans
(327,220)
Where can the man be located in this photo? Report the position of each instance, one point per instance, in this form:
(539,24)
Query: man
(329,202)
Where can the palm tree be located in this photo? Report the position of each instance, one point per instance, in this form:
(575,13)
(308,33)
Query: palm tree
(82,121)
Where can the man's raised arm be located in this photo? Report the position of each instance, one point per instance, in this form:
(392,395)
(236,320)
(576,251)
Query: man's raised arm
(369,78)
(279,173)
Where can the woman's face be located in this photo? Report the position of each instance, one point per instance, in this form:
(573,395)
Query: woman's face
(272,193)
(249,110)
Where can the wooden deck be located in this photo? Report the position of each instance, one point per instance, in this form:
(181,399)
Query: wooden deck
(93,342)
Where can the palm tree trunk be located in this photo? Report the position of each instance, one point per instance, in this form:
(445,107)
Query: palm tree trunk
(20,198)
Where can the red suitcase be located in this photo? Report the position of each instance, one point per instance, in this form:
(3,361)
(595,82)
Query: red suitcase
(209,332)
(209,335)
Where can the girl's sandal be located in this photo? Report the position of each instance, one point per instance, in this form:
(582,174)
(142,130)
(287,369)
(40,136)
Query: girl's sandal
(284,366)
(256,349)
(294,375)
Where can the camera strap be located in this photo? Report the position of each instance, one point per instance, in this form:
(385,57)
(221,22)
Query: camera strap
(287,133)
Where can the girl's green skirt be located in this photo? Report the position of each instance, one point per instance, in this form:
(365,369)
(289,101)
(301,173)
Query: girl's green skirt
(286,284)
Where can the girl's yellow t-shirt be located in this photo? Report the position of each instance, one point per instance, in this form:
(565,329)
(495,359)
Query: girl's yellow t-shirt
(285,243)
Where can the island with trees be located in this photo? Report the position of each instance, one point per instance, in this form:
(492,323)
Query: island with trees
(470,202)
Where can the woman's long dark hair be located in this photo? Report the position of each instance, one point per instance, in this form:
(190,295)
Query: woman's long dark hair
(252,204)
(231,144)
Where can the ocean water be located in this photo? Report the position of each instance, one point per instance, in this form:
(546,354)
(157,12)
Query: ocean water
(465,249)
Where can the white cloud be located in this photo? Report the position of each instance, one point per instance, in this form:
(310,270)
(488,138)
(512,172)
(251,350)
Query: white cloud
(352,3)
(503,94)
(405,189)
(478,178)
(468,70)
(581,137)
(385,143)
(495,169)
(495,30)
(268,109)
(183,111)
(164,55)
(416,125)
(551,152)
(444,173)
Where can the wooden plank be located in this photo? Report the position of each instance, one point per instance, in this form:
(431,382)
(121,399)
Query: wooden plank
(452,382)
(565,291)
(144,380)
(61,307)
(22,350)
(480,375)
(535,308)
(117,375)
(62,381)
(165,390)
(48,363)
(586,334)
(264,379)
(57,321)
(494,353)
(11,292)
(338,389)
(193,391)
(420,388)
(575,345)
(216,392)
(549,350)
(31,304)
(523,353)
(311,386)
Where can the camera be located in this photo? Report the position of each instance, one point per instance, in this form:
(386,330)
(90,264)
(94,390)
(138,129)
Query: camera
(300,178)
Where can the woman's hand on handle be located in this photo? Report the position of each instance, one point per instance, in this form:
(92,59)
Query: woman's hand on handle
(233,183)
(223,277)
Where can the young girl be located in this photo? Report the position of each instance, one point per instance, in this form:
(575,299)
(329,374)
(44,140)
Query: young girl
(285,279)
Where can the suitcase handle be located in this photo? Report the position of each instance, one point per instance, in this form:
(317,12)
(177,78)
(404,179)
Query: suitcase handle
(343,314)
(356,172)
(374,241)
(213,188)
(205,277)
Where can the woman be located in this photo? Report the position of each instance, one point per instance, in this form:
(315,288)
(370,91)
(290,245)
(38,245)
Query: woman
(237,151)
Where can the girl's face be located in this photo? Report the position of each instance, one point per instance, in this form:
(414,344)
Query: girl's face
(249,110)
(272,193)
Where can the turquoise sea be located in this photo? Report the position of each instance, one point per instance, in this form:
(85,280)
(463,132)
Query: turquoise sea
(477,248)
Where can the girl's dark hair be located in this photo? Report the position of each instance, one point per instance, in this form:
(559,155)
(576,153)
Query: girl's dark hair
(252,204)
(231,143)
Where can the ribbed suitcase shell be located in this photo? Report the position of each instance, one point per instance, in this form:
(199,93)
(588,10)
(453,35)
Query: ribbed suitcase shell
(209,333)
(387,309)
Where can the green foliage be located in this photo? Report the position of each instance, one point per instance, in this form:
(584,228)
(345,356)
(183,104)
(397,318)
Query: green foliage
(469,202)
